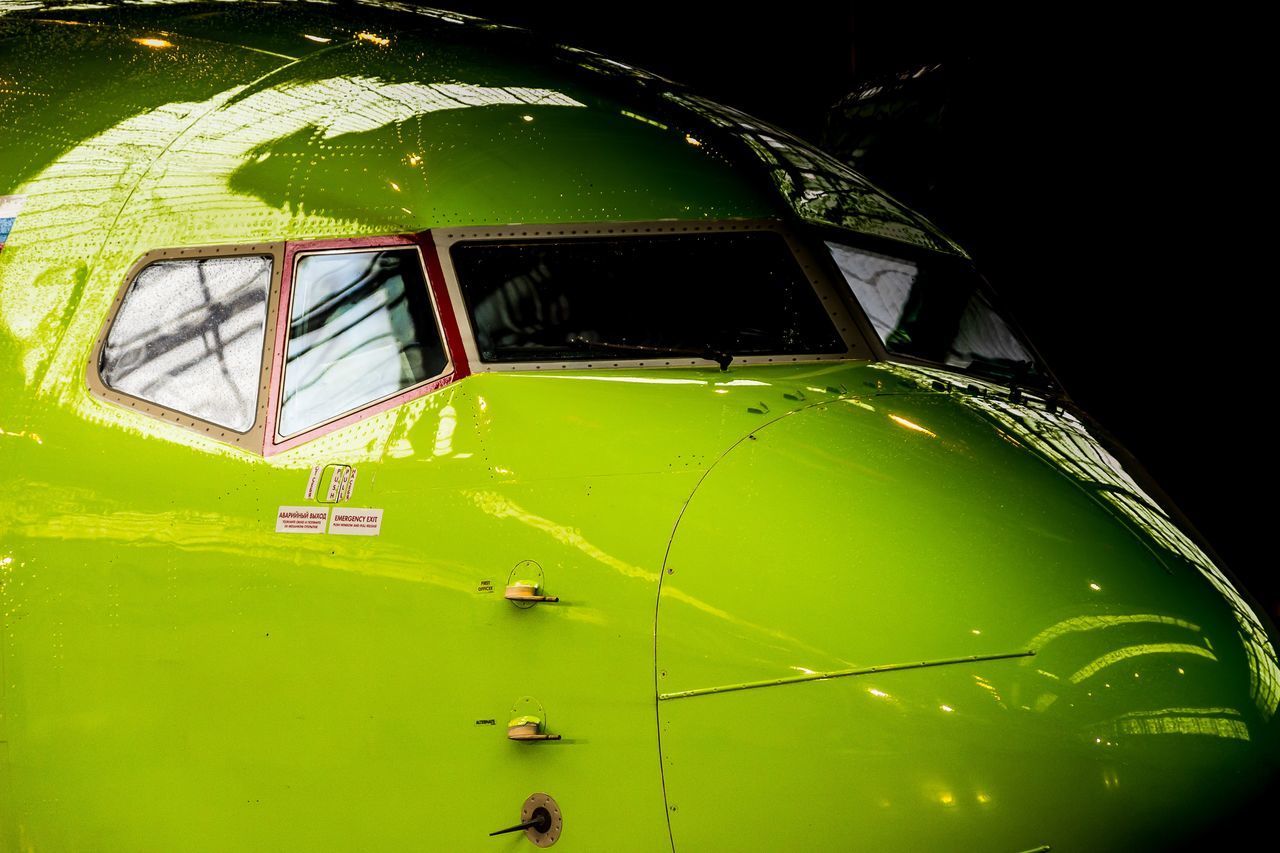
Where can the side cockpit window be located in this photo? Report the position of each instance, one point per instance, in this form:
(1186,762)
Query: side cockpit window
(362,328)
(188,338)
(936,311)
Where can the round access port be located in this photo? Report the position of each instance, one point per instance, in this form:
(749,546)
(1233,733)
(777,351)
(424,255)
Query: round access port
(542,808)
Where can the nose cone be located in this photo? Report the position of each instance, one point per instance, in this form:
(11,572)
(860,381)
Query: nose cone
(929,621)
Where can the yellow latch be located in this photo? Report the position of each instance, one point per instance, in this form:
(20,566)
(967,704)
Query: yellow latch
(526,591)
(528,727)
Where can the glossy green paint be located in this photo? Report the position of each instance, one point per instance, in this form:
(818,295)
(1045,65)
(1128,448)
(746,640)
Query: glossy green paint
(177,676)
(913,531)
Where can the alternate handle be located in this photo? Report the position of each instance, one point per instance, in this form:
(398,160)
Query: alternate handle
(528,728)
(526,591)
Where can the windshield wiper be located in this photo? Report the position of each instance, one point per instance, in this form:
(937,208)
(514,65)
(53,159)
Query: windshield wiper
(1015,375)
(708,352)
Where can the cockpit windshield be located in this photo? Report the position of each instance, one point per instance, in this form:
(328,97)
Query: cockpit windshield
(939,312)
(642,296)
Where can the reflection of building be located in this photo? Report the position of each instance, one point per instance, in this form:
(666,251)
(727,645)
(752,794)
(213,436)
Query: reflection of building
(187,170)
(819,187)
(907,591)
(1061,437)
(179,312)
(893,131)
(1211,722)
(362,328)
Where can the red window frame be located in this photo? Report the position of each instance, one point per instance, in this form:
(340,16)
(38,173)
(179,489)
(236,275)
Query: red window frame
(272,443)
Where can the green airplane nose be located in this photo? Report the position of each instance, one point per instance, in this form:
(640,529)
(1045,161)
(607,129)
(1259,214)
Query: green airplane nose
(947,622)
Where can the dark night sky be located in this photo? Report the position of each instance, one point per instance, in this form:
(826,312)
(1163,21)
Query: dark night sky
(1109,196)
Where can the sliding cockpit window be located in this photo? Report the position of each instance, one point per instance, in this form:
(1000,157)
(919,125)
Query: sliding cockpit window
(641,297)
(362,328)
(188,338)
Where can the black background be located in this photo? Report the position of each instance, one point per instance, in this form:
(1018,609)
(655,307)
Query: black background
(1115,197)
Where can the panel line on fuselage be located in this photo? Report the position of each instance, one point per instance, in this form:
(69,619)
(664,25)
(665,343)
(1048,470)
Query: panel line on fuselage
(839,673)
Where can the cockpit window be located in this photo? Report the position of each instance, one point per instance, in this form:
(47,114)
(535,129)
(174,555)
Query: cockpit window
(636,297)
(188,337)
(938,312)
(361,328)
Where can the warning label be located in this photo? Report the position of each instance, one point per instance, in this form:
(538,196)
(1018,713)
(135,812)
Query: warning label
(340,484)
(313,481)
(356,522)
(302,519)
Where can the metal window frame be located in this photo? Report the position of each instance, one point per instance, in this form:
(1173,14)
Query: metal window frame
(452,320)
(850,325)
(251,439)
(454,369)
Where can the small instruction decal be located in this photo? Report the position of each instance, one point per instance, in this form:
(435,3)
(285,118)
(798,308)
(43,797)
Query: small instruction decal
(356,522)
(302,519)
(340,483)
(313,481)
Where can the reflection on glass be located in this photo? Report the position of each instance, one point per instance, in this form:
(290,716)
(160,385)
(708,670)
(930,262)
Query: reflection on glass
(361,328)
(818,187)
(638,297)
(188,337)
(881,283)
(933,312)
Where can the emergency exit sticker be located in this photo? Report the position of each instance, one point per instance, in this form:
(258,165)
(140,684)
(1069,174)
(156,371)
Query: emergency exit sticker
(356,522)
(301,519)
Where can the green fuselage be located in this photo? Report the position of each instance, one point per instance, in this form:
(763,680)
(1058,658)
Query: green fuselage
(814,605)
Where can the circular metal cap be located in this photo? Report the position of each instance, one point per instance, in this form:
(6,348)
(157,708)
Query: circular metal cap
(552,833)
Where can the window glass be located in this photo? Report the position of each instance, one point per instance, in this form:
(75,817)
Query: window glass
(937,312)
(188,337)
(635,297)
(361,328)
